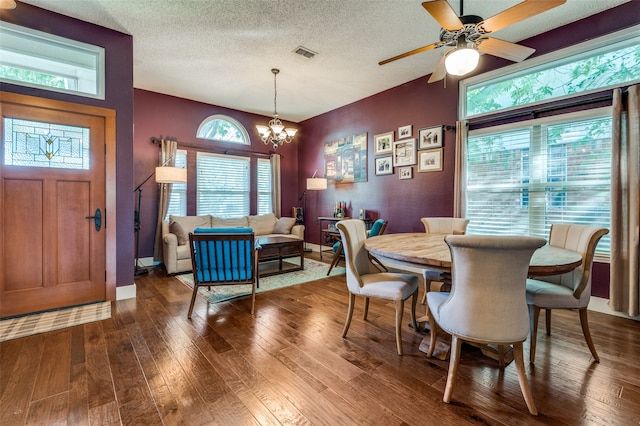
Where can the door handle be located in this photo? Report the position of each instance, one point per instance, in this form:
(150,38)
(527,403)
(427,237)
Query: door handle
(97,219)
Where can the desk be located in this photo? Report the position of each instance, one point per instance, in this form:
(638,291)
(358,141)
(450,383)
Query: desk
(429,251)
(330,234)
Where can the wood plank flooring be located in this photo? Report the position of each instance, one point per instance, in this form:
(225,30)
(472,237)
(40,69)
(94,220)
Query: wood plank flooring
(288,365)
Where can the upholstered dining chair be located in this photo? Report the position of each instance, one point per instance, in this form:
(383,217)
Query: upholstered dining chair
(223,256)
(377,228)
(567,291)
(364,279)
(440,225)
(487,302)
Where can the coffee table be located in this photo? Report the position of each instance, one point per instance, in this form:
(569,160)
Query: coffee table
(271,249)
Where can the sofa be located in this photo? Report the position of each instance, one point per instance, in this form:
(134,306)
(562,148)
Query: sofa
(175,234)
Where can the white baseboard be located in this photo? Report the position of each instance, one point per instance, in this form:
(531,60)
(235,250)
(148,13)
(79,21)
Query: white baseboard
(599,304)
(126,292)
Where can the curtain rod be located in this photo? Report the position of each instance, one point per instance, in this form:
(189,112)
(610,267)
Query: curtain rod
(156,140)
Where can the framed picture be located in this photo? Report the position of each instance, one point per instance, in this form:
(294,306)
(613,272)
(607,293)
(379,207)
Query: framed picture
(404,132)
(430,161)
(431,137)
(345,159)
(404,153)
(383,143)
(384,165)
(405,172)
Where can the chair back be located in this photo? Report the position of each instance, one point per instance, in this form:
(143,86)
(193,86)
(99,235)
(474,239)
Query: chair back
(377,228)
(582,239)
(353,233)
(487,300)
(222,256)
(445,225)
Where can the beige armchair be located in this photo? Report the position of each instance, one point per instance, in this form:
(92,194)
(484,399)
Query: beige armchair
(487,302)
(364,279)
(567,291)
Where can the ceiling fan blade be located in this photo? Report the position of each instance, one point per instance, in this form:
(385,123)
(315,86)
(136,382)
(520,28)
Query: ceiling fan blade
(517,13)
(504,49)
(412,52)
(442,12)
(439,72)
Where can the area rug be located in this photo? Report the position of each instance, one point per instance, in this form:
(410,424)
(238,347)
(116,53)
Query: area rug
(313,270)
(27,325)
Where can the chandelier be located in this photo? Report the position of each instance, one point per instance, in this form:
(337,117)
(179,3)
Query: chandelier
(275,133)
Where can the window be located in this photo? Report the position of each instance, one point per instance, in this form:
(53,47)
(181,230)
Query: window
(523,177)
(178,197)
(223,129)
(37,59)
(606,62)
(264,186)
(222,185)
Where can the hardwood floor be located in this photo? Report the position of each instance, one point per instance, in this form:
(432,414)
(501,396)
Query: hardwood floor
(288,365)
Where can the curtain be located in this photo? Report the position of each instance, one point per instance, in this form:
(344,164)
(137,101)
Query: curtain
(276,189)
(624,288)
(167,158)
(462,131)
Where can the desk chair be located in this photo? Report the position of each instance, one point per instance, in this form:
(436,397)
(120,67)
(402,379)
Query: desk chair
(364,279)
(377,228)
(223,256)
(567,291)
(487,302)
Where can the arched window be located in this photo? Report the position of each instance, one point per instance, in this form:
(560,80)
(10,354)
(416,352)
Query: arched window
(223,128)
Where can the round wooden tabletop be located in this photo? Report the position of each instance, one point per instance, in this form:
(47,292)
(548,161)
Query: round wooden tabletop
(429,251)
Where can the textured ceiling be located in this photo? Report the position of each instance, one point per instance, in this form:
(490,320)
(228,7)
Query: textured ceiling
(221,51)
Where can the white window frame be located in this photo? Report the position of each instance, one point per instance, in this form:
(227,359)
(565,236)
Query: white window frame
(617,40)
(222,194)
(81,65)
(222,117)
(264,189)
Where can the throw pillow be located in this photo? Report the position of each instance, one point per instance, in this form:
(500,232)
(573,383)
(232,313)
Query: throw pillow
(284,225)
(176,228)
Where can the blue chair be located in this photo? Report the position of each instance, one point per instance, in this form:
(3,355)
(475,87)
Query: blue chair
(223,256)
(377,228)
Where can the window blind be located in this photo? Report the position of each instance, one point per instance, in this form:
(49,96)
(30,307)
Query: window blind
(178,196)
(264,186)
(223,185)
(523,178)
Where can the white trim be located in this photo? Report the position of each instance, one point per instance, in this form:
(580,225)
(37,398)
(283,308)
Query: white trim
(126,292)
(222,117)
(599,304)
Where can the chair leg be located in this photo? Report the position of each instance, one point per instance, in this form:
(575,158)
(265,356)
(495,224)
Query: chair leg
(547,320)
(518,357)
(427,288)
(501,355)
(347,323)
(336,259)
(193,300)
(432,333)
(365,312)
(253,296)
(456,344)
(377,263)
(587,334)
(534,313)
(399,312)
(414,302)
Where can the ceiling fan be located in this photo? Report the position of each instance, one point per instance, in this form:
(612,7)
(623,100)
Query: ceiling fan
(469,36)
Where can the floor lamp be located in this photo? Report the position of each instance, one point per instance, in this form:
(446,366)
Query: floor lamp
(163,174)
(313,184)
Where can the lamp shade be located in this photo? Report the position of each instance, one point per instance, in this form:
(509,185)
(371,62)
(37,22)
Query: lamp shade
(167,174)
(461,61)
(316,184)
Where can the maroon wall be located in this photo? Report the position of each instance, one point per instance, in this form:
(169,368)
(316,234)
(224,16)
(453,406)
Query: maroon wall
(118,96)
(404,202)
(159,115)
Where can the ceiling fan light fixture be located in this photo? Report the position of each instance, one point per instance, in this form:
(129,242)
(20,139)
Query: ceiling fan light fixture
(461,61)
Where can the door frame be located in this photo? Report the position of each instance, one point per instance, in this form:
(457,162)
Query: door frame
(109,116)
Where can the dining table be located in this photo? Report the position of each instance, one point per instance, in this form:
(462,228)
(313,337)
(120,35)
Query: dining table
(430,251)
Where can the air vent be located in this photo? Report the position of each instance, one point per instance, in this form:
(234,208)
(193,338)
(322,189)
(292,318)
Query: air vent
(307,53)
